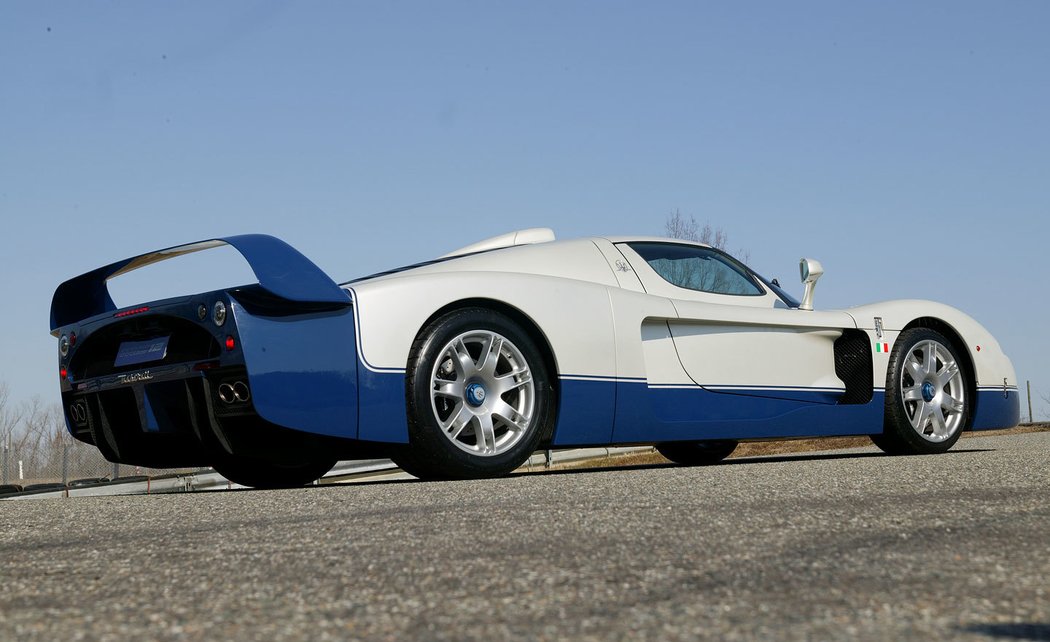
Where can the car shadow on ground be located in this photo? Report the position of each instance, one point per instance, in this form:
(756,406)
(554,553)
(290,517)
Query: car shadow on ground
(739,461)
(585,470)
(1013,631)
(765,459)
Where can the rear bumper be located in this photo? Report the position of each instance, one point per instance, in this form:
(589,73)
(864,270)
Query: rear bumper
(273,380)
(175,416)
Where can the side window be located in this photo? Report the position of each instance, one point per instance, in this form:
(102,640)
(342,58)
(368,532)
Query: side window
(697,268)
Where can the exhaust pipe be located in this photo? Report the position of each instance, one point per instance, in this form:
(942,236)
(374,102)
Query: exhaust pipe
(240,391)
(78,412)
(234,392)
(226,393)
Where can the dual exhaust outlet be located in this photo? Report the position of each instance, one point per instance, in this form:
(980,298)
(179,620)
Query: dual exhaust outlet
(236,392)
(78,411)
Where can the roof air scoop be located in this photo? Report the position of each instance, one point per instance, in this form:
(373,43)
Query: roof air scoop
(510,239)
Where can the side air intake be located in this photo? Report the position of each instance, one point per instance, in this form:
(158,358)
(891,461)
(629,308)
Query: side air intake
(854,366)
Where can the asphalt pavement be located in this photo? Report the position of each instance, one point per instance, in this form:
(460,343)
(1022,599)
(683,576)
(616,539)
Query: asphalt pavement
(852,544)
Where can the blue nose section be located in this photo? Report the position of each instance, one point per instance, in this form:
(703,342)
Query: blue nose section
(928,392)
(475,394)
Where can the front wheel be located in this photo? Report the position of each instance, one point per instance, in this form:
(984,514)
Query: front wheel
(697,453)
(259,473)
(478,395)
(927,395)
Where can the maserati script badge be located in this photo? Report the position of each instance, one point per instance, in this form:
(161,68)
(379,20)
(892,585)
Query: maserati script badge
(132,377)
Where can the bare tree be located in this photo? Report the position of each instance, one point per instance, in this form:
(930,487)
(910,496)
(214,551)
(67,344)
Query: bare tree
(33,433)
(10,417)
(678,226)
(695,274)
(31,438)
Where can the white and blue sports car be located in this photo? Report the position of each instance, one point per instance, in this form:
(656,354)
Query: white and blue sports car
(463,366)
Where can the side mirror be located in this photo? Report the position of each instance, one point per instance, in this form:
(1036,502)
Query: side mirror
(810,270)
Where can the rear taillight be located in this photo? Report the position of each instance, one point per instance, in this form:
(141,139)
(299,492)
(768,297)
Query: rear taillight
(128,313)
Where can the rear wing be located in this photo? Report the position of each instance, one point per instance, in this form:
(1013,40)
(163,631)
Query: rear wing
(280,268)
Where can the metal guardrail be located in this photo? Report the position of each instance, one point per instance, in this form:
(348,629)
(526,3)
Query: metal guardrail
(343,472)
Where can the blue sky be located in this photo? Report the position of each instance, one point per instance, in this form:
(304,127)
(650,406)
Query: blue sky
(906,145)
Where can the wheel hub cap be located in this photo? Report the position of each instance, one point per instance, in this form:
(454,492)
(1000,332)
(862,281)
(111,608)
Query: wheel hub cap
(475,394)
(928,392)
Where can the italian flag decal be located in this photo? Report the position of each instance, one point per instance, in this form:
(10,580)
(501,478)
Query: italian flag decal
(882,347)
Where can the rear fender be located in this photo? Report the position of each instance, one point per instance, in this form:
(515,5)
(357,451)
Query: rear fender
(302,369)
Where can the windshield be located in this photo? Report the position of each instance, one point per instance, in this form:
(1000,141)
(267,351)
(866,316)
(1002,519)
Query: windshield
(791,301)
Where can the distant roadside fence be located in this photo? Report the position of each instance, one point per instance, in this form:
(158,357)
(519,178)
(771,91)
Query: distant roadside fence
(66,462)
(36,448)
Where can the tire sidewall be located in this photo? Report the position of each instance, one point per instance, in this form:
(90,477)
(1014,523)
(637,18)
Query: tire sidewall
(429,446)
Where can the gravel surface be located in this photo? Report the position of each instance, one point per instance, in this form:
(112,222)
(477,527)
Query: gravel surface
(812,546)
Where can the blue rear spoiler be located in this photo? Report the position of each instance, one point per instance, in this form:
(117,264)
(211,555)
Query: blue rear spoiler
(280,268)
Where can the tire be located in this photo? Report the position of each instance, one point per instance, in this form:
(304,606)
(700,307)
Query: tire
(697,453)
(478,397)
(928,392)
(407,460)
(259,473)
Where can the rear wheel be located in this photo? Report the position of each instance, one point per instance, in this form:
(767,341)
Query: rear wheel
(697,453)
(927,395)
(478,395)
(259,473)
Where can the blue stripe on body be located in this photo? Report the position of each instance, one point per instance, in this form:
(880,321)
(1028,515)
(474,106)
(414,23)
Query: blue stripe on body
(596,412)
(645,414)
(996,409)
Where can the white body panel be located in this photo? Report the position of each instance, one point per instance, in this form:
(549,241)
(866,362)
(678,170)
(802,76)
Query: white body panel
(510,239)
(992,367)
(730,342)
(574,314)
(605,317)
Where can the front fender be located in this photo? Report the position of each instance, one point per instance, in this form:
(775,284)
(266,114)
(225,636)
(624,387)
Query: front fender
(998,403)
(991,365)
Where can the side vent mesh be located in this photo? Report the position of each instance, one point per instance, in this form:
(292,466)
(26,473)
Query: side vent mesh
(853,365)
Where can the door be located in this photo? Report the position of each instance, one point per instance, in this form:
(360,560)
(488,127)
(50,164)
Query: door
(733,334)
